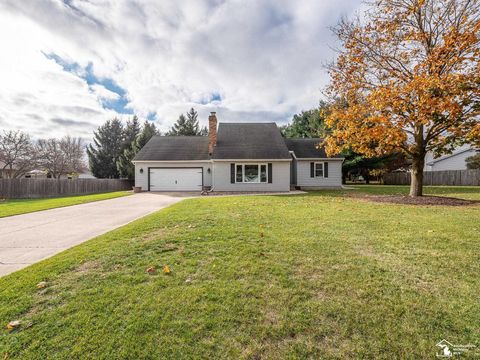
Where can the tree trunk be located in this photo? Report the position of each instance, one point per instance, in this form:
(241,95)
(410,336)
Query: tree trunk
(416,184)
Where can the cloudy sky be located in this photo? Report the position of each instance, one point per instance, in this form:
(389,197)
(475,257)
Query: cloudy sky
(67,66)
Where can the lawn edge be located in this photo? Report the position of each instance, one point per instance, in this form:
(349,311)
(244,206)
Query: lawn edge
(128,193)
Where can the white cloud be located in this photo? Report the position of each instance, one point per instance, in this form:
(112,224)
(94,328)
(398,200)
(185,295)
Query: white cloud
(103,93)
(264,58)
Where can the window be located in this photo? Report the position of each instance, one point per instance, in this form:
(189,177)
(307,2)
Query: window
(251,173)
(318,169)
(263,173)
(239,174)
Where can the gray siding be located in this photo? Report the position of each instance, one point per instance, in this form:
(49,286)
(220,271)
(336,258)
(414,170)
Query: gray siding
(334,174)
(454,162)
(142,179)
(280,177)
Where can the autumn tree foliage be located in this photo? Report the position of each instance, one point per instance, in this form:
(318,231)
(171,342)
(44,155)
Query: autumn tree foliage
(409,77)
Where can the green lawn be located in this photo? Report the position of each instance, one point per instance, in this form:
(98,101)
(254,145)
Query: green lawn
(307,276)
(463,192)
(23,206)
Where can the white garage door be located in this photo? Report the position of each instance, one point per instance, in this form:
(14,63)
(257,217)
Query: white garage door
(173,179)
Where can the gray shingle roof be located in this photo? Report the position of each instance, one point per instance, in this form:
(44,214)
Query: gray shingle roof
(307,148)
(174,148)
(250,141)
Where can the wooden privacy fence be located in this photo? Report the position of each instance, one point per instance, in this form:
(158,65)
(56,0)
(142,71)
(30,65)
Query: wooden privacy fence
(40,188)
(446,177)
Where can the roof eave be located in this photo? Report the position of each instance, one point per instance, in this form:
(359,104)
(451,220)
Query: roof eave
(248,159)
(322,158)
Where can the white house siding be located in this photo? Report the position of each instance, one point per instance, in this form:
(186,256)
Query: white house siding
(334,175)
(141,179)
(280,177)
(455,161)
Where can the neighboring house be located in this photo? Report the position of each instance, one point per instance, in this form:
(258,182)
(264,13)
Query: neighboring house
(43,174)
(85,175)
(454,161)
(240,157)
(6,173)
(36,174)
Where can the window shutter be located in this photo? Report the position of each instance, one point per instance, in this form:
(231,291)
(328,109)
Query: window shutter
(232,173)
(325,169)
(270,173)
(312,169)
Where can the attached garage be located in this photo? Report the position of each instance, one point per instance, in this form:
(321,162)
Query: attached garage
(175,179)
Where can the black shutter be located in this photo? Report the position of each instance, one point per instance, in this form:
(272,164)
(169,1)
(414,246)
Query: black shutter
(232,173)
(270,173)
(325,169)
(312,169)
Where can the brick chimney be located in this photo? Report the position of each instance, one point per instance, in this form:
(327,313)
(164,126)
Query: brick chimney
(212,131)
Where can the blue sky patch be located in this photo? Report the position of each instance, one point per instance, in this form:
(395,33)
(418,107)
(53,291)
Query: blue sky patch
(86,73)
(152,115)
(213,97)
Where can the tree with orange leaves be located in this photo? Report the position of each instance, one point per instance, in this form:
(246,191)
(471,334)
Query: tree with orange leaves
(408,75)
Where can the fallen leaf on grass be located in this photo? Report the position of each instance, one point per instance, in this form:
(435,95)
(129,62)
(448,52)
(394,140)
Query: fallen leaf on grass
(166,270)
(13,324)
(41,285)
(151,270)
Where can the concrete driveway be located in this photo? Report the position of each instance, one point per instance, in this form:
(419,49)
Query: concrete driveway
(29,238)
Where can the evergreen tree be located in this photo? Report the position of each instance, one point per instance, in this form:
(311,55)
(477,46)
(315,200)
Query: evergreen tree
(131,132)
(124,163)
(307,124)
(132,129)
(357,164)
(203,131)
(108,144)
(187,126)
(149,130)
(179,128)
(473,162)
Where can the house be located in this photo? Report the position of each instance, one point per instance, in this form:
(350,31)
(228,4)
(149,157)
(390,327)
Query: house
(453,161)
(44,174)
(4,173)
(245,157)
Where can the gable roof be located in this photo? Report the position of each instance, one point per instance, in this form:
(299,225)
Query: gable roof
(250,141)
(307,148)
(434,161)
(164,148)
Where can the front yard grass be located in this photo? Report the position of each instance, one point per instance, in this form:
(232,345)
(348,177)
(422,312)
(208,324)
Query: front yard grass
(308,276)
(462,192)
(23,206)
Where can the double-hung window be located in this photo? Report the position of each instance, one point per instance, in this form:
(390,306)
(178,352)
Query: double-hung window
(319,169)
(251,173)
